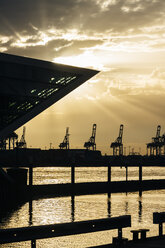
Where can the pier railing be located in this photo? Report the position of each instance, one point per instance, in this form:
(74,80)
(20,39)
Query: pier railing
(159,218)
(34,233)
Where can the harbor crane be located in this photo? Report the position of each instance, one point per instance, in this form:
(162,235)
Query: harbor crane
(65,143)
(22,142)
(118,145)
(155,146)
(91,141)
(163,143)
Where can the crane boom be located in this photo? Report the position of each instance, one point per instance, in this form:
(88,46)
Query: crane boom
(119,139)
(65,143)
(118,145)
(155,146)
(158,131)
(91,141)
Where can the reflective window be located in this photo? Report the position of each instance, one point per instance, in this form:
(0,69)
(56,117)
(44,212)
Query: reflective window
(23,87)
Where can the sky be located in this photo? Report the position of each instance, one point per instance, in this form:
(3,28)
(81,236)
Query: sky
(123,39)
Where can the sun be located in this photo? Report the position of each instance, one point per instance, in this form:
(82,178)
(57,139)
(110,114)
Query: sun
(86,60)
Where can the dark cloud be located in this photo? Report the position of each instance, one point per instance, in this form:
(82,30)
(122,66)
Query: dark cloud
(27,18)
(117,20)
(85,15)
(17,15)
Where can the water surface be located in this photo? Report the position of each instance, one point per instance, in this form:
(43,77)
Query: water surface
(69,209)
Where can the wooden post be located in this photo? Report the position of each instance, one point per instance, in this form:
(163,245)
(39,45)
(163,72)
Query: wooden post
(120,233)
(72,207)
(140,192)
(109,205)
(140,173)
(73,174)
(109,173)
(9,143)
(30,176)
(160,229)
(30,212)
(140,180)
(33,243)
(126,173)
(140,208)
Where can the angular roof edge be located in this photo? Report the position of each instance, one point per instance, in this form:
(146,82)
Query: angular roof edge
(44,64)
(86,74)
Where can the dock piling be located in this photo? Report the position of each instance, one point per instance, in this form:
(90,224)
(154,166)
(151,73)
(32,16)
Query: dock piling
(120,233)
(73,174)
(140,173)
(30,212)
(30,176)
(109,205)
(72,208)
(109,174)
(33,243)
(160,229)
(126,173)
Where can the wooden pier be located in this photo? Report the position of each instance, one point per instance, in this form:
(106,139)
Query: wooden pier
(44,191)
(34,233)
(21,161)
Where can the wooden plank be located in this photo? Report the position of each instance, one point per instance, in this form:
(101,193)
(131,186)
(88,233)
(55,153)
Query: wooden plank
(64,229)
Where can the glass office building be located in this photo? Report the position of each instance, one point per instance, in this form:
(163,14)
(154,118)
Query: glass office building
(29,86)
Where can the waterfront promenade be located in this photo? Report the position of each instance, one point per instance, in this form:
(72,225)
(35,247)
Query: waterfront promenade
(153,242)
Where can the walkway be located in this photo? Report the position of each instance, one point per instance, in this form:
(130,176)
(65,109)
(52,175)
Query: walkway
(154,242)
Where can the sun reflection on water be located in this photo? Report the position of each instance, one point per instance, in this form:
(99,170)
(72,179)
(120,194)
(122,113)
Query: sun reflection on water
(87,207)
